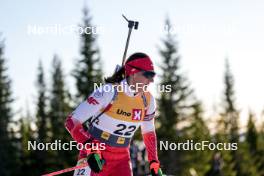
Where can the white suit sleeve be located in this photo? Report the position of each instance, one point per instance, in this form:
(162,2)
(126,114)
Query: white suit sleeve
(99,99)
(148,123)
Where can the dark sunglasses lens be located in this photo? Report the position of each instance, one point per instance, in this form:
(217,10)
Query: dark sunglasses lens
(149,75)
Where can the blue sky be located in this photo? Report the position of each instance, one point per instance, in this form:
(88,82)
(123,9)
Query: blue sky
(207,32)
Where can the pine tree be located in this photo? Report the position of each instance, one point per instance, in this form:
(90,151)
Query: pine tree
(88,68)
(197,131)
(59,108)
(8,155)
(231,113)
(228,125)
(43,126)
(251,147)
(174,104)
(27,157)
(235,162)
(251,135)
(260,150)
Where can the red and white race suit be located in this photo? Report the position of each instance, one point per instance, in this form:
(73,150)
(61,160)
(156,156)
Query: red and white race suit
(115,127)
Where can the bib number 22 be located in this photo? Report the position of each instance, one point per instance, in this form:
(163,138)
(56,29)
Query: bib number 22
(124,130)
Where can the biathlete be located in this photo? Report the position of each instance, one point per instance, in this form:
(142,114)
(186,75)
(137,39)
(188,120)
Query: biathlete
(111,117)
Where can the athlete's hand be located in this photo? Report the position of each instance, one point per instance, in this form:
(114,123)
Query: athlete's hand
(155,168)
(95,161)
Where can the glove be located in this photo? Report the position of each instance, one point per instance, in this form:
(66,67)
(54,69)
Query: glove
(95,161)
(155,168)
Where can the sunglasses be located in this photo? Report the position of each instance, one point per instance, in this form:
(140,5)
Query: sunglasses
(149,74)
(145,73)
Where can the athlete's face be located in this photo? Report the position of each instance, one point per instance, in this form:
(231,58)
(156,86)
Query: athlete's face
(141,80)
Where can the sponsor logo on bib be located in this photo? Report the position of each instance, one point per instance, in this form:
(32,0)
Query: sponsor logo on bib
(136,114)
(122,112)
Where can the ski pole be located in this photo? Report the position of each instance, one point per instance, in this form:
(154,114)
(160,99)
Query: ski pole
(66,170)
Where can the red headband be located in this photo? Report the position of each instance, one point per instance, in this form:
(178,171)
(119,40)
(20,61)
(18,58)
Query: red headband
(141,63)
